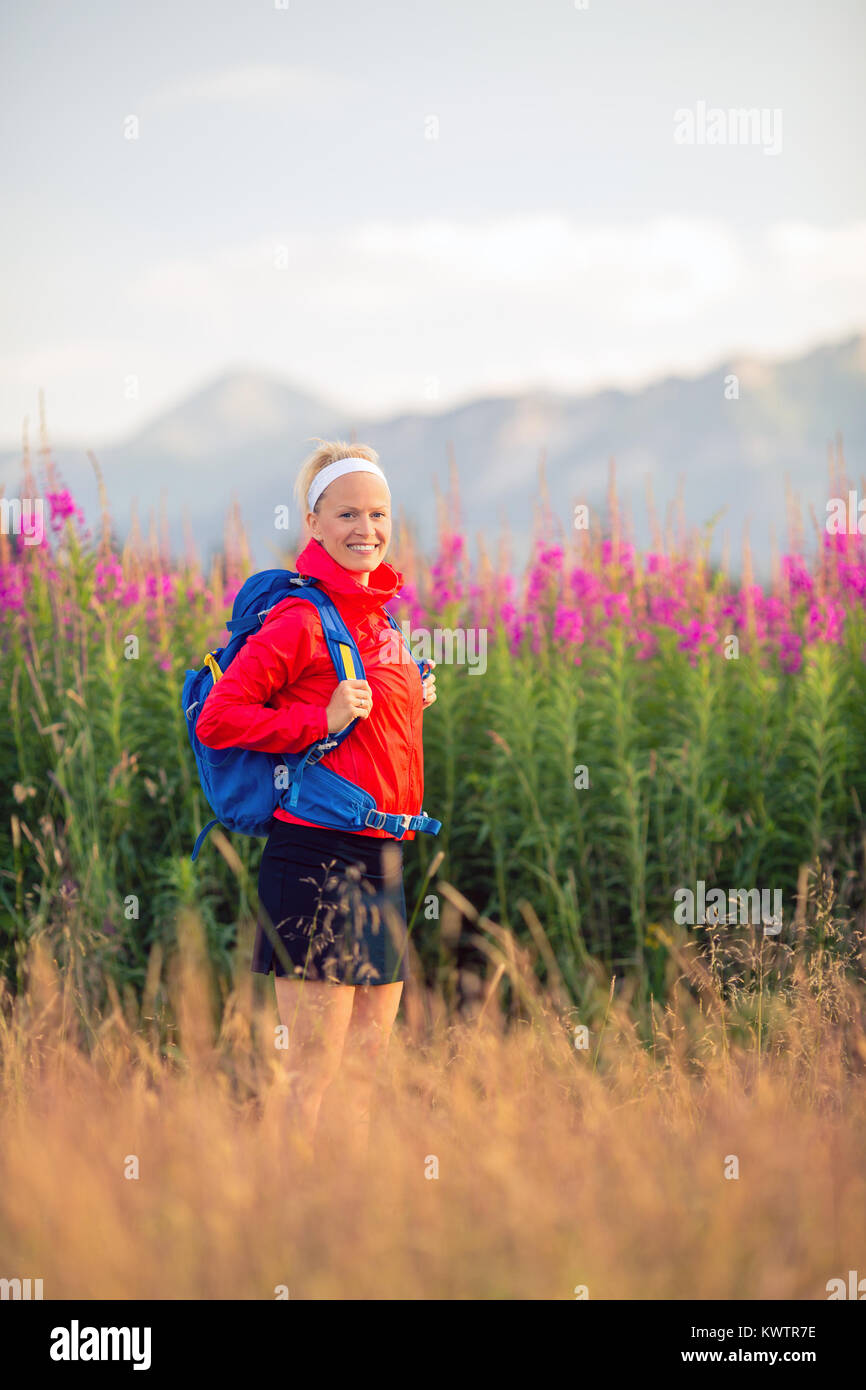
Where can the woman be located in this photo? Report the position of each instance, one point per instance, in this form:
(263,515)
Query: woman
(332,919)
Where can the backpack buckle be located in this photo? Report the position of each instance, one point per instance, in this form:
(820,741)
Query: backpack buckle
(318,750)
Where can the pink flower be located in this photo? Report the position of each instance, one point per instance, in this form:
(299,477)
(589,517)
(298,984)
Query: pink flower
(825,621)
(796,574)
(617,603)
(586,585)
(567,624)
(695,636)
(13,586)
(790,651)
(62,505)
(646,643)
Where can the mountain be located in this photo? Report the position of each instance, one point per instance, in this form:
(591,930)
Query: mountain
(245,434)
(240,436)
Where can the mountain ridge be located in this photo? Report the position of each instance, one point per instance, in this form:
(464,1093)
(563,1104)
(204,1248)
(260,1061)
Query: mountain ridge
(244,433)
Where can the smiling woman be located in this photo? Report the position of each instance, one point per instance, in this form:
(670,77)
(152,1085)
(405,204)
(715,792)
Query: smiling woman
(332,918)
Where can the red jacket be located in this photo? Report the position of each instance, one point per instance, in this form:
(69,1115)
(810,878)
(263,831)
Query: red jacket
(273,696)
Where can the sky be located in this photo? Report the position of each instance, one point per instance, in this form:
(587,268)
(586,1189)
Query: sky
(403,206)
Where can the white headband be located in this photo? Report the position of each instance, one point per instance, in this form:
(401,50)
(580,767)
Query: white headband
(353,464)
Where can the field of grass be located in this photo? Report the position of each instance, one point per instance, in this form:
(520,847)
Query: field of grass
(581,1092)
(726,1159)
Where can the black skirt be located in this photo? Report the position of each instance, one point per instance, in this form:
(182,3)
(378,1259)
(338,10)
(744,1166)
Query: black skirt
(331,906)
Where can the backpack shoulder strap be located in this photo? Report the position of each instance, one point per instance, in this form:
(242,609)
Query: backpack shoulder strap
(343,650)
(341,644)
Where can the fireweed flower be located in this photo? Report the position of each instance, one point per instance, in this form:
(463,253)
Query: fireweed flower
(825,621)
(572,606)
(109,579)
(13,586)
(646,643)
(544,581)
(568,623)
(585,585)
(775,610)
(62,505)
(840,540)
(790,651)
(657,564)
(663,609)
(798,578)
(617,603)
(447,586)
(854,580)
(696,636)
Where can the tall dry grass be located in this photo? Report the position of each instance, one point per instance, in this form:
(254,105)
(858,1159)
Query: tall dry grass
(505,1161)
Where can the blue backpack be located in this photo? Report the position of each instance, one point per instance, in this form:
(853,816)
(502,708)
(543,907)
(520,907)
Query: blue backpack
(244,788)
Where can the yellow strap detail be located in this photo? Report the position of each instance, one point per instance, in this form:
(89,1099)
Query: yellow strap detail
(210,662)
(348,663)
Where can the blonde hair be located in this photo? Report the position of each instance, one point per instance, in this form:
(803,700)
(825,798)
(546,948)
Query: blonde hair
(328,451)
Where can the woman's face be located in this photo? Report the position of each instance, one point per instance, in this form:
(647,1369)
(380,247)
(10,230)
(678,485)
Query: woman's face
(354,521)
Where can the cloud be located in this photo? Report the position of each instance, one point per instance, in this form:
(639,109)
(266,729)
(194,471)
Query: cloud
(541,272)
(822,253)
(665,268)
(385,316)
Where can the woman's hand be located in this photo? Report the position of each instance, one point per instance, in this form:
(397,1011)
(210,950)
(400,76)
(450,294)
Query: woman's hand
(428,686)
(353,699)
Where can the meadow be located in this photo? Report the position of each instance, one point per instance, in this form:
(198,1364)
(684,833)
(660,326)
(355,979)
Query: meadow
(583,1096)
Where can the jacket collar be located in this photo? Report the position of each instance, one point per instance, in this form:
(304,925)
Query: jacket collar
(385,581)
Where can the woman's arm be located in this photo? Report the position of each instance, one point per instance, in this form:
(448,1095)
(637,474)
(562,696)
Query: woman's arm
(234,714)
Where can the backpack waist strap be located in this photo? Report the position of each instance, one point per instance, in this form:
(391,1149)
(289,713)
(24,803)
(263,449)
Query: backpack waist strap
(398,825)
